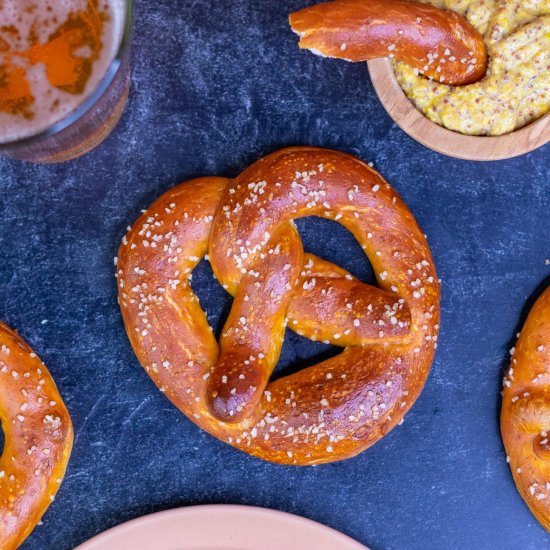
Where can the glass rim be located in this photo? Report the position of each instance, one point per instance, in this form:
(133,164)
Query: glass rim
(87,105)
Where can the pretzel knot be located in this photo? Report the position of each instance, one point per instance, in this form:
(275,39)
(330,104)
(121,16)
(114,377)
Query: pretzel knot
(327,412)
(525,417)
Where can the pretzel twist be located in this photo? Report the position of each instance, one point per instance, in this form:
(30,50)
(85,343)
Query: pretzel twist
(525,417)
(38,437)
(439,44)
(324,413)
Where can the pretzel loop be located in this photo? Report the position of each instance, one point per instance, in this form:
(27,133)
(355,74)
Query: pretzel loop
(38,439)
(324,413)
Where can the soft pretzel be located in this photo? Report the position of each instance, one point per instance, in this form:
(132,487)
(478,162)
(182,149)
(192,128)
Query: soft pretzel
(439,44)
(38,439)
(327,412)
(525,417)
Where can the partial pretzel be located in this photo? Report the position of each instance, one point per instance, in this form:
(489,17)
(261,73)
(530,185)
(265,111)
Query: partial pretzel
(38,439)
(439,44)
(525,417)
(330,411)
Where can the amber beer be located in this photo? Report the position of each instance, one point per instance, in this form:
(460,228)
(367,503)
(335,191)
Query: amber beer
(64,75)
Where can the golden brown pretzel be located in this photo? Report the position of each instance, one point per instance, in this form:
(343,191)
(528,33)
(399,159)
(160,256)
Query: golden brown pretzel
(440,44)
(324,413)
(525,417)
(38,439)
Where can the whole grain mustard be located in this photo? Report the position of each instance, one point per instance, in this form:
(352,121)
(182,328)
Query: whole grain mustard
(516,88)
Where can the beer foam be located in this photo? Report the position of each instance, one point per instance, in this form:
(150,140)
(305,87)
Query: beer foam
(39,19)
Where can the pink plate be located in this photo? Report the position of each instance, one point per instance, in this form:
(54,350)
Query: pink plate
(221,527)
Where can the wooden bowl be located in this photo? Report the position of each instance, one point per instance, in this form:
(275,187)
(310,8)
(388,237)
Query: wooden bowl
(454,144)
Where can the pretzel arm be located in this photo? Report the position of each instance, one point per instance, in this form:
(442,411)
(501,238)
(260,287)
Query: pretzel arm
(441,45)
(253,335)
(331,305)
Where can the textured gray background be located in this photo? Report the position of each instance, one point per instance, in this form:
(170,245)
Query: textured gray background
(215,86)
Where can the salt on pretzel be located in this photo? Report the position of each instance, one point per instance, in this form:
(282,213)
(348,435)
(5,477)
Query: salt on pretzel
(439,44)
(327,412)
(525,416)
(38,438)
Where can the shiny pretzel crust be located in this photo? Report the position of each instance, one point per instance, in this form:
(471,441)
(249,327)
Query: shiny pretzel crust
(327,412)
(38,439)
(525,417)
(440,44)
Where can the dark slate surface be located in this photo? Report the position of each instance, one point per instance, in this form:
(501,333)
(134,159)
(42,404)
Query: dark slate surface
(215,86)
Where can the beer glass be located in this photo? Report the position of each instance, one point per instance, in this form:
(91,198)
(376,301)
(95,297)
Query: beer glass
(64,75)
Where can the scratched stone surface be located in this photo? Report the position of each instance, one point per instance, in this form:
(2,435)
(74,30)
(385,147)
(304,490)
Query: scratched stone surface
(216,85)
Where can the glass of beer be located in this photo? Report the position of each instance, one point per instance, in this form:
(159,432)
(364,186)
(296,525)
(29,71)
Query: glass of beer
(64,75)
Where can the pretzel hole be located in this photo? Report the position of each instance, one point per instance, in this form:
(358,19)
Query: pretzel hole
(214,299)
(2,439)
(299,352)
(333,242)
